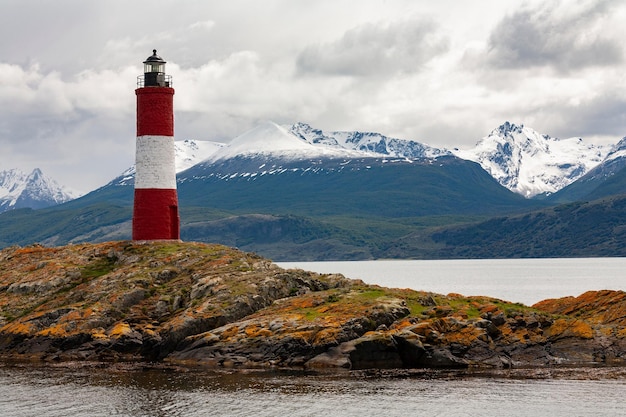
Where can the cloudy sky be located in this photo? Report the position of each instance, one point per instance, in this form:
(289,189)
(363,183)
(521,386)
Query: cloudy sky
(442,72)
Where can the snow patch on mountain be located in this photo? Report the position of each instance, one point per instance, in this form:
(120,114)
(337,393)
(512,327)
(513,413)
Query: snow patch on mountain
(271,139)
(529,163)
(618,151)
(190,152)
(34,190)
(370,143)
(614,162)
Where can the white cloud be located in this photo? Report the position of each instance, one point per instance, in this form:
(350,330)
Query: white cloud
(204,25)
(565,36)
(553,66)
(376,49)
(71,126)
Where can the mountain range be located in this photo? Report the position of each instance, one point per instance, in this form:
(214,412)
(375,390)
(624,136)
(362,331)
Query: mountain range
(532,164)
(34,190)
(519,158)
(296,192)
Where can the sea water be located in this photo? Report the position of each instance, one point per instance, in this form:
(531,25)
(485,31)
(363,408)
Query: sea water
(33,391)
(525,281)
(79,390)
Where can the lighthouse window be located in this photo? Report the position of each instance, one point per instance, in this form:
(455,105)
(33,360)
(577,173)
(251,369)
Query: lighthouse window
(154,67)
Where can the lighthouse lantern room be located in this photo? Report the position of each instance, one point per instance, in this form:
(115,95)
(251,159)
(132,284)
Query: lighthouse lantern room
(154,72)
(155,209)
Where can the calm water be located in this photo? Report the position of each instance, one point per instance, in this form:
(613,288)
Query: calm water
(83,391)
(525,281)
(62,392)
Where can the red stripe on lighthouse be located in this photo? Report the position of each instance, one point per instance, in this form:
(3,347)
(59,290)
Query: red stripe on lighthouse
(155,111)
(155,210)
(155,214)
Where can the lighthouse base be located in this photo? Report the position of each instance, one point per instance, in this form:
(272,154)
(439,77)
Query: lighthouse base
(155,214)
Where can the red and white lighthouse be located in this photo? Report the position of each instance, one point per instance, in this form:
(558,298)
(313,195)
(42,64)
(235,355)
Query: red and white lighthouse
(155,211)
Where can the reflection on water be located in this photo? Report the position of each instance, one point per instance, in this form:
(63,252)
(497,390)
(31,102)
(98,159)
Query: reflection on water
(115,391)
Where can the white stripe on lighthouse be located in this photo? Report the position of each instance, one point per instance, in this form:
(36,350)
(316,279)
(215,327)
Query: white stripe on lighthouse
(155,162)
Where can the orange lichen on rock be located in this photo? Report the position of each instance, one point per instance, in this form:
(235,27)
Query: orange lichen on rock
(604,307)
(570,328)
(221,307)
(465,336)
(488,308)
(18,328)
(229,332)
(120,329)
(256,331)
(326,336)
(99,334)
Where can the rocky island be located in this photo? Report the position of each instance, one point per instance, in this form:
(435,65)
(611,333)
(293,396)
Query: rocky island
(200,304)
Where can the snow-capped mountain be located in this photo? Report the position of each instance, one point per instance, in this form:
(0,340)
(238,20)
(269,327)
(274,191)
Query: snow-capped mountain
(519,158)
(190,152)
(300,140)
(367,142)
(529,163)
(616,157)
(603,180)
(615,161)
(264,149)
(35,190)
(280,142)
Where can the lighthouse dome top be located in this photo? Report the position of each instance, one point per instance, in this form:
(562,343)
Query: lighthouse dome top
(154,58)
(154,73)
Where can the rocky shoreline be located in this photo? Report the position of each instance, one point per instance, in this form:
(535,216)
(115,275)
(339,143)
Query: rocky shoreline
(192,304)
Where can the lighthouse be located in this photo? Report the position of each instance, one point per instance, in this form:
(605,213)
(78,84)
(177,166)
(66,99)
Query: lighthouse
(155,210)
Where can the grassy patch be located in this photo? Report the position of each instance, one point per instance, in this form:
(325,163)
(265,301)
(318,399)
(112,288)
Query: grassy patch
(373,294)
(332,298)
(462,305)
(311,314)
(8,316)
(514,309)
(100,267)
(167,249)
(415,307)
